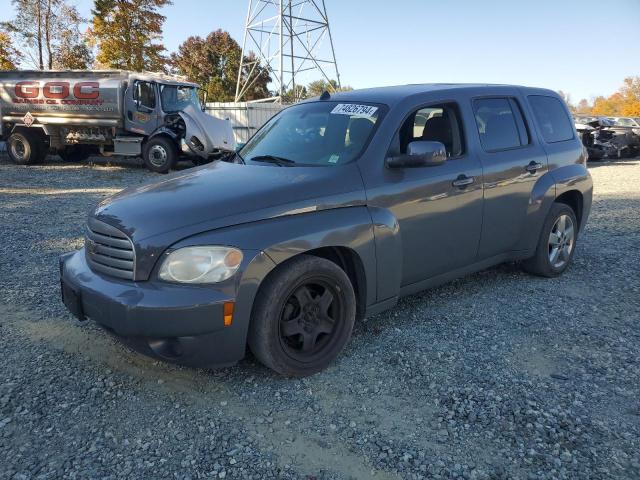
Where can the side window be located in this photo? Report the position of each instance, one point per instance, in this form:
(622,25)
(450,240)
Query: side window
(552,118)
(500,124)
(145,94)
(438,123)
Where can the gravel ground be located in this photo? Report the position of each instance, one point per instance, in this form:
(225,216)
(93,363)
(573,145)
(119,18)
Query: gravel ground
(498,375)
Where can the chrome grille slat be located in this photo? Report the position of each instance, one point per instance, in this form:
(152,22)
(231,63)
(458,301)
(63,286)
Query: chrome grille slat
(109,250)
(123,244)
(113,262)
(114,252)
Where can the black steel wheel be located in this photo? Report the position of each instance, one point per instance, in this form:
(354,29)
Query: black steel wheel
(303,316)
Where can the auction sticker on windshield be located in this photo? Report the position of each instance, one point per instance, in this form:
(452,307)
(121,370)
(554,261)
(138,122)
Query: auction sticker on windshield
(354,109)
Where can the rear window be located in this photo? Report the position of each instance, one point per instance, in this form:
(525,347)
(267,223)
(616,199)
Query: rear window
(552,118)
(500,124)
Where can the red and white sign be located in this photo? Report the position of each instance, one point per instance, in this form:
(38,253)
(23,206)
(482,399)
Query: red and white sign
(28,119)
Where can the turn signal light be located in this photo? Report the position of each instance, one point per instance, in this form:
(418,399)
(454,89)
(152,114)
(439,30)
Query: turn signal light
(228,313)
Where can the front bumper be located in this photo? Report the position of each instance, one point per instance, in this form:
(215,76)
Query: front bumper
(179,323)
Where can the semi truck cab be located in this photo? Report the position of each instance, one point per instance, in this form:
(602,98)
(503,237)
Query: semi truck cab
(79,113)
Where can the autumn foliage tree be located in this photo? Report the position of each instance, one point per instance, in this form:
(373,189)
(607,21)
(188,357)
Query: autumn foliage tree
(623,103)
(213,62)
(127,34)
(9,56)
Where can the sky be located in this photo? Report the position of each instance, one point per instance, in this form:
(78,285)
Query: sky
(583,47)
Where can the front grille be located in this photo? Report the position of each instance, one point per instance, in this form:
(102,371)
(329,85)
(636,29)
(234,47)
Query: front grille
(109,251)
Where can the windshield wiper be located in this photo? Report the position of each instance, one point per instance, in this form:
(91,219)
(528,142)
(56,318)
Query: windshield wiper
(281,161)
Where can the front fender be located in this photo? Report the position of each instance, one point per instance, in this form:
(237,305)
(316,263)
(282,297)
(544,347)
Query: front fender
(284,237)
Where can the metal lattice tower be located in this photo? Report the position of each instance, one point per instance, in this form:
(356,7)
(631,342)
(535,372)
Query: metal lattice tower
(288,38)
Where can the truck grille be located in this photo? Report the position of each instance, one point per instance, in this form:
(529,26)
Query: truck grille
(109,251)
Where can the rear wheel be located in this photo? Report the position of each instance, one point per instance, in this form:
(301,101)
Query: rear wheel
(26,148)
(160,154)
(302,316)
(556,244)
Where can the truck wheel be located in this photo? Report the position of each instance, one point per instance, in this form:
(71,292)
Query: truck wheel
(160,154)
(25,148)
(303,316)
(557,243)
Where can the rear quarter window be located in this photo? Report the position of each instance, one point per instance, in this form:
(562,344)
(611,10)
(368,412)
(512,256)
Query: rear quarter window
(552,118)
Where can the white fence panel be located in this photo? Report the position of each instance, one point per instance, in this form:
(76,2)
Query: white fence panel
(246,117)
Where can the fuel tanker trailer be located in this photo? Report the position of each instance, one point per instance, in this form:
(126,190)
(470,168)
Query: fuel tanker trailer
(81,113)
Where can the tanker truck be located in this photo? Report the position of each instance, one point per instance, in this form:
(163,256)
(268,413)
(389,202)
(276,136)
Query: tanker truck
(77,114)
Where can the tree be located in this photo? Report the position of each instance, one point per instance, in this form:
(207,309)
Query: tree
(9,56)
(567,99)
(609,106)
(127,34)
(40,26)
(631,94)
(583,106)
(72,50)
(318,87)
(213,62)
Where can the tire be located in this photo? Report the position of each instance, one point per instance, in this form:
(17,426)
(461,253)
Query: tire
(289,332)
(160,154)
(26,148)
(547,261)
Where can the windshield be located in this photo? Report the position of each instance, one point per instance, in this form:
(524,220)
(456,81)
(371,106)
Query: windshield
(625,122)
(176,98)
(318,133)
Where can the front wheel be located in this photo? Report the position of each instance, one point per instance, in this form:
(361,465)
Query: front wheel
(160,154)
(303,316)
(557,243)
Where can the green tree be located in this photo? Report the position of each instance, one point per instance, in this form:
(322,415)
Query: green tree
(9,56)
(213,62)
(318,87)
(127,34)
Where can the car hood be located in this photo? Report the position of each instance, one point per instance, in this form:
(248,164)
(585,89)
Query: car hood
(223,194)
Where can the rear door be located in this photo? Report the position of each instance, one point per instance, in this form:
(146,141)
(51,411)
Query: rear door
(512,162)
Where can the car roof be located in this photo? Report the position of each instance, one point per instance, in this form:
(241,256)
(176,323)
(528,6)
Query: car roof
(395,94)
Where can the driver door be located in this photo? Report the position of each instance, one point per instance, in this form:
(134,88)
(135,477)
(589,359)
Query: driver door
(438,208)
(142,107)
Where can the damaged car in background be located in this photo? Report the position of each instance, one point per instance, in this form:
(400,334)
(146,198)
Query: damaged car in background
(77,114)
(606,138)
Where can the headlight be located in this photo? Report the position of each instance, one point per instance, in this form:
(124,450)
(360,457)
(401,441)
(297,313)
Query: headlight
(200,264)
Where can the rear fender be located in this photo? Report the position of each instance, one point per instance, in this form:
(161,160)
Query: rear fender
(542,197)
(575,177)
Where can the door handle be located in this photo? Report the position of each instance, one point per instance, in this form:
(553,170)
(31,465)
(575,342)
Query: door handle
(533,167)
(462,181)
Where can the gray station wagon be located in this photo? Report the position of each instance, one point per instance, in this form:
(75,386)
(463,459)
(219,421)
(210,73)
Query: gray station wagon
(336,208)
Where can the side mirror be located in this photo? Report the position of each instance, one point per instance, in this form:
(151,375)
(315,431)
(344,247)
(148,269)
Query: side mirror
(203,104)
(420,154)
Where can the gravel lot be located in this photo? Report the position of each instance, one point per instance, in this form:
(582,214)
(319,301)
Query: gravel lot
(498,375)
